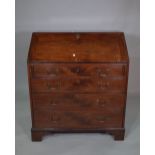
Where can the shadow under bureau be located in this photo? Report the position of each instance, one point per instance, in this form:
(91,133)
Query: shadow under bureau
(78,83)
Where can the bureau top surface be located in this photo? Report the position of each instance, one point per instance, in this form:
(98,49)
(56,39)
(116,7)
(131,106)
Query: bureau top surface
(78,47)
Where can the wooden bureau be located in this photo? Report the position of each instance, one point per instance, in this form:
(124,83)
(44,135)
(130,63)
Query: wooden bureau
(78,83)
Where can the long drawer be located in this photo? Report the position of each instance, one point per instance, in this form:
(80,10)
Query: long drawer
(75,119)
(77,85)
(78,101)
(78,69)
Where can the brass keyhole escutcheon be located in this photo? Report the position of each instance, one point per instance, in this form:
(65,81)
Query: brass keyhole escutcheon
(77,36)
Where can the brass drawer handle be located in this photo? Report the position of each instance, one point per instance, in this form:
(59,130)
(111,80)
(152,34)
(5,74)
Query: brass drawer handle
(103,85)
(54,118)
(50,87)
(53,73)
(78,82)
(105,70)
(101,103)
(101,119)
(53,103)
(80,102)
(77,70)
(103,75)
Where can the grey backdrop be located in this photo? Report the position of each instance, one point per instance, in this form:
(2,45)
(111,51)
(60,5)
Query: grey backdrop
(71,15)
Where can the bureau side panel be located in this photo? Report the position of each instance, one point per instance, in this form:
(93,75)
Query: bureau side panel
(126,71)
(29,70)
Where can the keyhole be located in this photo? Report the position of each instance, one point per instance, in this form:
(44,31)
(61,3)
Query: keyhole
(77,36)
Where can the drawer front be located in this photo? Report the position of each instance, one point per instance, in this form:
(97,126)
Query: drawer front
(77,85)
(83,70)
(78,101)
(75,120)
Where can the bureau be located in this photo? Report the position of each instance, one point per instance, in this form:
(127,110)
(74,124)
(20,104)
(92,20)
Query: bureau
(78,83)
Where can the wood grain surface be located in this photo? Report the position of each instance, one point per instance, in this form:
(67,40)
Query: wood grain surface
(78,83)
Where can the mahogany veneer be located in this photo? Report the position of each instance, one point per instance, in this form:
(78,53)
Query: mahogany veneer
(78,83)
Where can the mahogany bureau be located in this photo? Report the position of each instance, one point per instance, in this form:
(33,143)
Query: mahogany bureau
(78,83)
